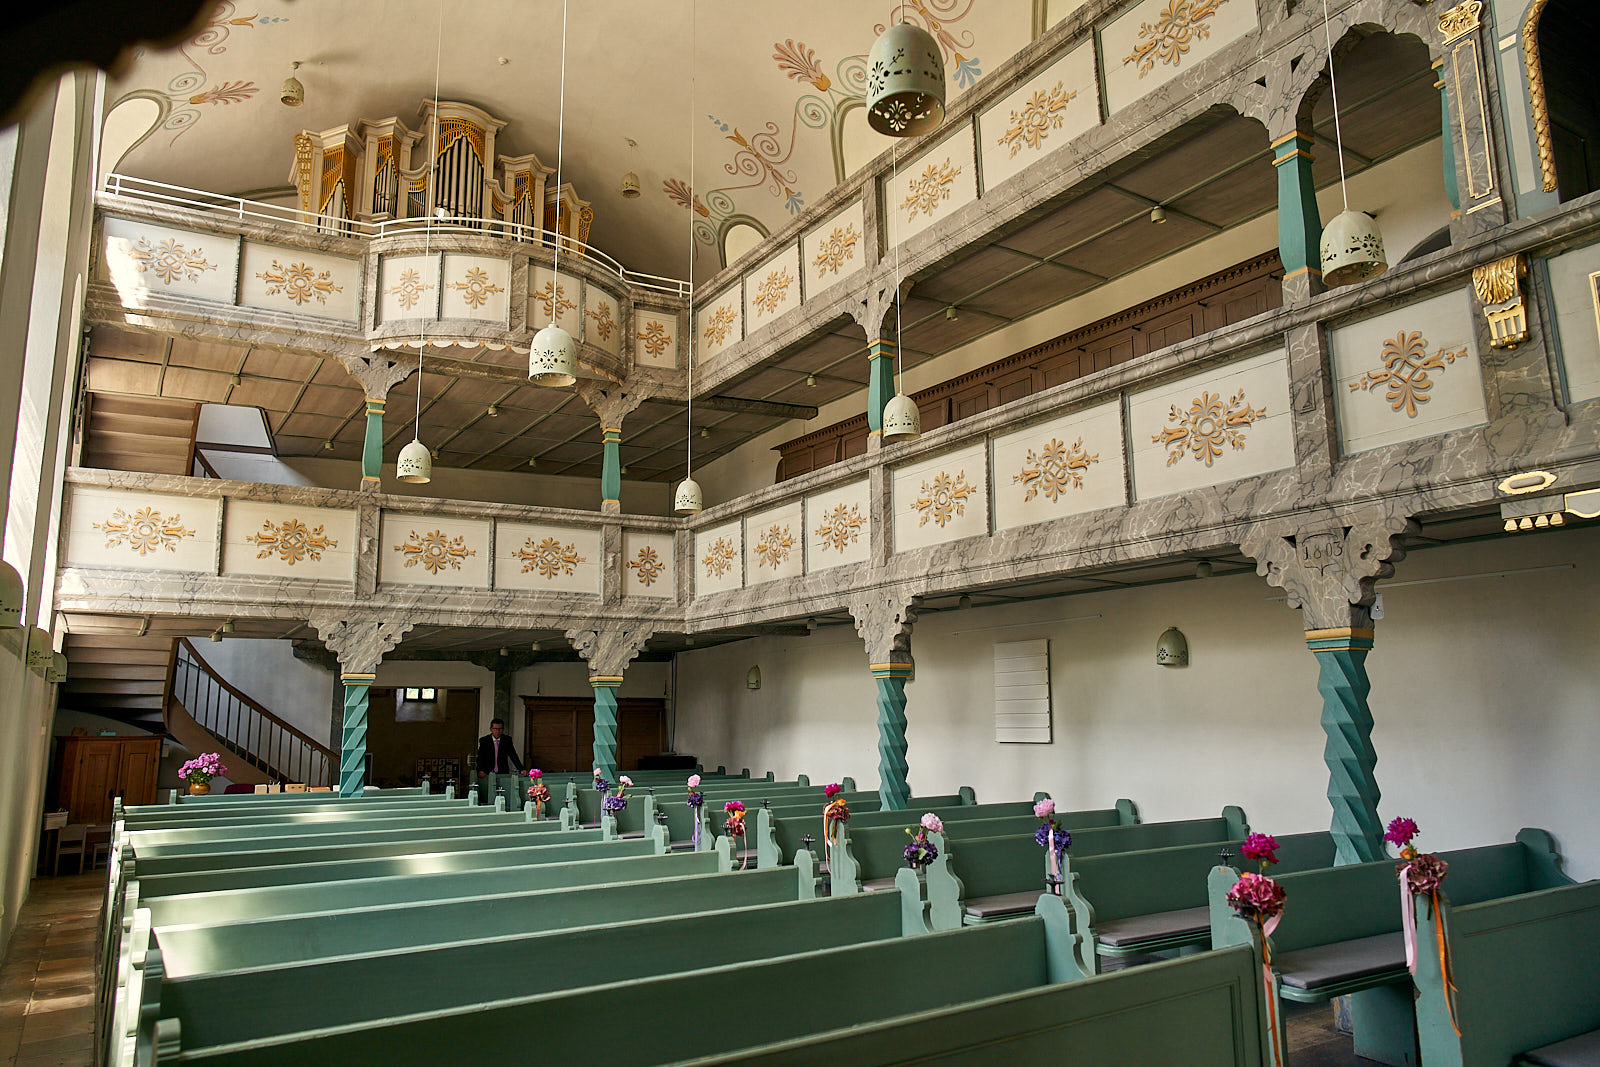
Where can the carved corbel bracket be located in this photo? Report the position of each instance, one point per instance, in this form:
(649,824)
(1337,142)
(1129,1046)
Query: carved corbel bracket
(608,652)
(883,622)
(1328,569)
(1499,289)
(360,644)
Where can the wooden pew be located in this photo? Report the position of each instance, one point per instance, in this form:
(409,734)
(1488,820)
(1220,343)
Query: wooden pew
(680,817)
(307,830)
(781,830)
(162,816)
(1527,974)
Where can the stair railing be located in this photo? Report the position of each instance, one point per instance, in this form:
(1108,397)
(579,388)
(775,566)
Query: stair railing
(255,734)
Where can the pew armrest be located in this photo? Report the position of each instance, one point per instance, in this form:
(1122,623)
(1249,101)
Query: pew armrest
(1127,813)
(1082,913)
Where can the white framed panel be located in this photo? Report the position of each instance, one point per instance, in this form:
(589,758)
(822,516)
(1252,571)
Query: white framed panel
(647,564)
(298,281)
(476,287)
(835,251)
(1063,467)
(655,337)
(837,526)
(1157,40)
(719,559)
(141,257)
(1408,374)
(428,550)
(1022,692)
(1575,286)
(774,544)
(602,319)
(1046,113)
(134,530)
(1225,423)
(551,296)
(941,499)
(288,541)
(408,287)
(543,558)
(931,187)
(720,324)
(772,288)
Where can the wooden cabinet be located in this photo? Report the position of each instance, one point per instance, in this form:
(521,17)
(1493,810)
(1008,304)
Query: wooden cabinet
(560,733)
(94,770)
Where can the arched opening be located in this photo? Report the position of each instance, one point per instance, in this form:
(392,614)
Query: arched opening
(739,235)
(1572,94)
(129,122)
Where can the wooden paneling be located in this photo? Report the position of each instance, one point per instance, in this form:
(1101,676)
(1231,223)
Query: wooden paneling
(94,770)
(560,732)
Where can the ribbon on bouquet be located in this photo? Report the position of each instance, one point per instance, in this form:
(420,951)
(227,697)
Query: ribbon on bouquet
(1408,921)
(694,836)
(1052,864)
(1266,929)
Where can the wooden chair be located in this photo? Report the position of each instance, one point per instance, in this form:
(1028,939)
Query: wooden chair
(71,843)
(97,839)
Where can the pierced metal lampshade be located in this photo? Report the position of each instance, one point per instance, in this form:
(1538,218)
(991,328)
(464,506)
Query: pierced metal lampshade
(630,185)
(57,672)
(901,419)
(293,94)
(553,359)
(11,597)
(1352,249)
(1172,648)
(40,655)
(905,82)
(687,499)
(415,464)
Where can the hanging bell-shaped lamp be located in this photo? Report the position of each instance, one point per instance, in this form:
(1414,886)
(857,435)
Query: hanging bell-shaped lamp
(415,464)
(1352,249)
(11,597)
(553,359)
(687,499)
(41,654)
(901,419)
(293,94)
(1172,648)
(905,82)
(58,669)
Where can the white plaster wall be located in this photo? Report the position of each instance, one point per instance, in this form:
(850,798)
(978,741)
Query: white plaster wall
(298,692)
(24,741)
(1483,692)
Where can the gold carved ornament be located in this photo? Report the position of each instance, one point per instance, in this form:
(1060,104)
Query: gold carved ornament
(774,545)
(1207,426)
(1537,100)
(648,566)
(144,531)
(1460,20)
(409,289)
(774,287)
(1169,38)
(841,526)
(943,498)
(435,551)
(719,558)
(300,282)
(927,192)
(549,557)
(453,130)
(720,325)
(476,289)
(1054,468)
(302,168)
(1041,114)
(1406,364)
(603,322)
(1498,286)
(554,299)
(840,245)
(655,339)
(169,260)
(292,541)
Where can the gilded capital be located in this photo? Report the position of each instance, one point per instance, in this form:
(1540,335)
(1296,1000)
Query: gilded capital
(1460,20)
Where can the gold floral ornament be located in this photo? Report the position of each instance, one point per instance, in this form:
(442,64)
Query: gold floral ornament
(1207,426)
(435,551)
(300,282)
(841,526)
(1406,364)
(944,498)
(144,531)
(549,557)
(719,558)
(1054,468)
(409,289)
(774,287)
(1170,36)
(169,260)
(648,566)
(839,246)
(604,324)
(554,299)
(926,193)
(720,325)
(1029,127)
(774,545)
(800,63)
(293,541)
(655,338)
(476,289)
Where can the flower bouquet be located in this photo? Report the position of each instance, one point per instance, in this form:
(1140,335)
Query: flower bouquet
(734,826)
(538,792)
(922,851)
(617,802)
(198,772)
(1259,900)
(834,812)
(1421,875)
(600,783)
(1262,848)
(696,800)
(1054,838)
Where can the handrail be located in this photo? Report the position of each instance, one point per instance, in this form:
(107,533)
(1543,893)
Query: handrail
(242,209)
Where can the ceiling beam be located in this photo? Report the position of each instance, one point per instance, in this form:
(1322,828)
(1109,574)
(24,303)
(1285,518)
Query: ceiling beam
(738,405)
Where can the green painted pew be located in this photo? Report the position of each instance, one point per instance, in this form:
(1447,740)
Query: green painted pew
(307,830)
(680,817)
(745,789)
(1527,974)
(194,949)
(162,817)
(240,1005)
(1127,904)
(254,799)
(1340,931)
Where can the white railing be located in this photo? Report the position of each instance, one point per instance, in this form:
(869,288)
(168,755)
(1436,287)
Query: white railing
(241,209)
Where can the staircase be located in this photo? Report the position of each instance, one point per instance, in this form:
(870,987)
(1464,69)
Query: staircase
(119,676)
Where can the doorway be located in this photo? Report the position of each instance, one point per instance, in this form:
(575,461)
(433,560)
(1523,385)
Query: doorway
(434,731)
(560,732)
(1567,30)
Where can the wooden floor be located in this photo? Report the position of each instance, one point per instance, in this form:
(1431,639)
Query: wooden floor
(47,982)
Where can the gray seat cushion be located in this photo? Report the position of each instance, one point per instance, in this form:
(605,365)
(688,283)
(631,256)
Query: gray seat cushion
(1342,961)
(1002,904)
(876,884)
(1120,933)
(1580,1051)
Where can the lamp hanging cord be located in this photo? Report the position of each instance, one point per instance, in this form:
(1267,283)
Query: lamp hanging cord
(561,134)
(427,230)
(688,458)
(894,183)
(1333,84)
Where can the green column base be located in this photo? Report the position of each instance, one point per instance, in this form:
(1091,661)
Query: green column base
(1347,721)
(894,790)
(353,744)
(611,466)
(605,725)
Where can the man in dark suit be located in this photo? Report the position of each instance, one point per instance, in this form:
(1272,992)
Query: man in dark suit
(496,753)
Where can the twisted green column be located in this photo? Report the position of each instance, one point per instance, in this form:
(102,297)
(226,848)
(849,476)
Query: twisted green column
(605,724)
(880,383)
(353,744)
(611,466)
(1299,222)
(1347,721)
(894,791)
(372,444)
(1451,189)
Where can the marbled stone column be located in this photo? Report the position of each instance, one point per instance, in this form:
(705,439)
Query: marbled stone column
(608,653)
(377,375)
(353,745)
(611,468)
(894,789)
(1347,721)
(611,403)
(605,724)
(372,443)
(360,645)
(1299,222)
(880,382)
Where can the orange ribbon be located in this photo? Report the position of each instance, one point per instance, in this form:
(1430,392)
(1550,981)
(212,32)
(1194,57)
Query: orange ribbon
(1445,977)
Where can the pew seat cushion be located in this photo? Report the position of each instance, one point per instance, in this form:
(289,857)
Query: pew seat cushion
(874,885)
(1124,933)
(1343,961)
(1002,904)
(1580,1051)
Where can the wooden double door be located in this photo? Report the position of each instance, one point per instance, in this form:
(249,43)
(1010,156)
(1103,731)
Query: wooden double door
(94,770)
(560,732)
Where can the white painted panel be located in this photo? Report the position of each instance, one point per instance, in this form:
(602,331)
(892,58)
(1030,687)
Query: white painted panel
(408,287)
(647,564)
(142,257)
(1041,116)
(1575,284)
(546,558)
(602,319)
(931,187)
(719,558)
(835,251)
(288,541)
(142,531)
(837,530)
(1157,40)
(430,550)
(1022,692)
(720,324)
(476,287)
(774,544)
(941,499)
(1063,467)
(1226,423)
(549,296)
(299,281)
(655,337)
(1408,374)
(772,288)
